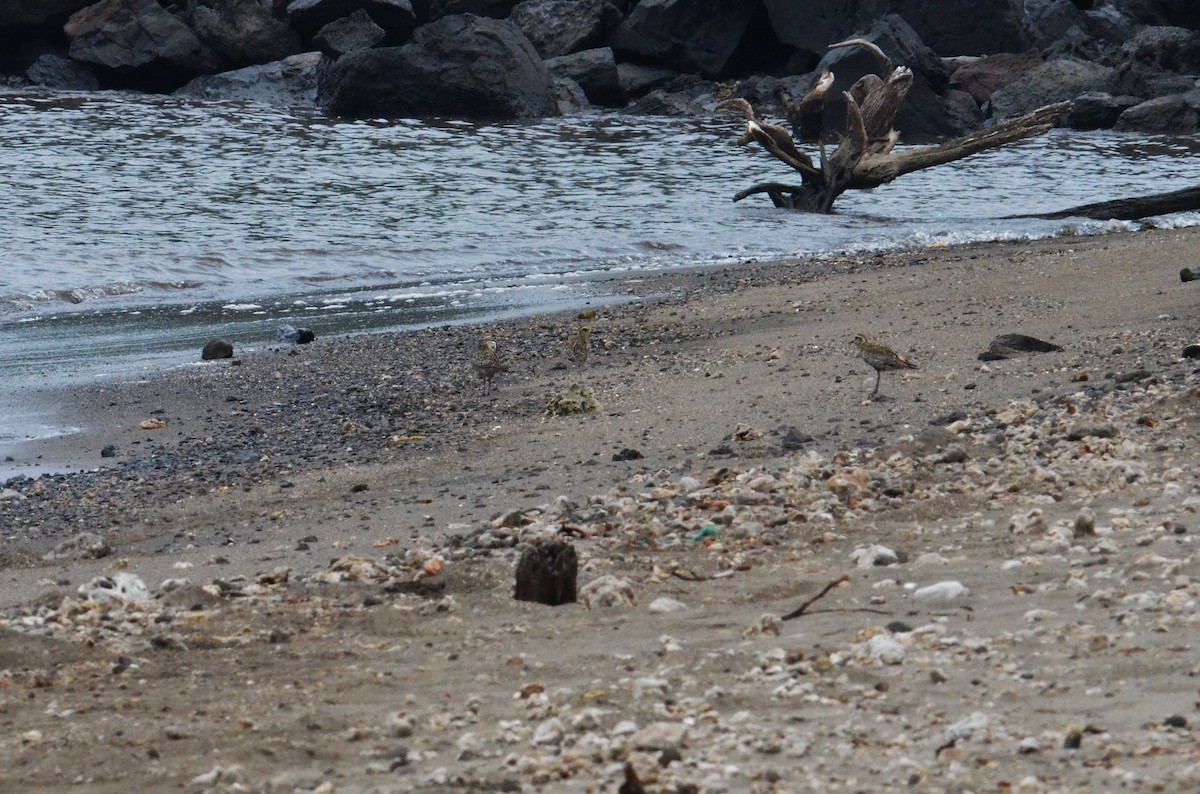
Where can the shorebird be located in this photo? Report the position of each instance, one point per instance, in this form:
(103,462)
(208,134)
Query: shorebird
(487,362)
(881,358)
(577,345)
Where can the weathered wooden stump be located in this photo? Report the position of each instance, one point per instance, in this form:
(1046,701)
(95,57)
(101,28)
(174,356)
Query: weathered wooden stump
(546,573)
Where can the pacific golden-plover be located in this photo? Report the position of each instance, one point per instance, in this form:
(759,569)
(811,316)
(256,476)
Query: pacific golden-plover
(881,358)
(487,362)
(578,345)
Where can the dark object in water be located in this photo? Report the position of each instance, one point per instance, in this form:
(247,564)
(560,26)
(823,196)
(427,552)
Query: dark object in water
(1007,345)
(1191,351)
(295,336)
(1187,275)
(216,348)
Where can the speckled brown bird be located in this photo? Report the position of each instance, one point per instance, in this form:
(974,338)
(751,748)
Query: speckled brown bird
(487,362)
(881,358)
(578,345)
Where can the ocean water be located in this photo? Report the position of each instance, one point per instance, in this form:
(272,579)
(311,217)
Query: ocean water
(136,228)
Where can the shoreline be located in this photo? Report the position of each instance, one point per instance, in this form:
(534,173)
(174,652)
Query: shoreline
(327,536)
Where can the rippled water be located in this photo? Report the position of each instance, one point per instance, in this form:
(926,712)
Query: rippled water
(135,228)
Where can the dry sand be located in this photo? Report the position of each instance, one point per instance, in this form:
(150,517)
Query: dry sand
(346,623)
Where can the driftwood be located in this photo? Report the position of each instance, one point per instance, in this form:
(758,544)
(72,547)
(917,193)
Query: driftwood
(865,156)
(1129,209)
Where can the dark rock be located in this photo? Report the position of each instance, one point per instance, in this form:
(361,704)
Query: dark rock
(141,42)
(686,95)
(815,24)
(1164,114)
(242,31)
(1191,351)
(793,439)
(561,27)
(108,452)
(1176,721)
(967,27)
(465,66)
(496,9)
(1085,430)
(927,111)
(291,82)
(690,35)
(397,17)
(596,73)
(53,71)
(1046,21)
(1167,48)
(985,76)
(216,348)
(627,454)
(29,13)
(304,336)
(1007,345)
(1098,111)
(1051,82)
(569,97)
(1187,274)
(637,79)
(546,573)
(350,34)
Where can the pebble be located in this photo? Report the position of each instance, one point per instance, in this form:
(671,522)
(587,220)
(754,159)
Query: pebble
(941,592)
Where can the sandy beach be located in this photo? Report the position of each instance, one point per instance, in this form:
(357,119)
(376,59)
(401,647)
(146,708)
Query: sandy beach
(326,537)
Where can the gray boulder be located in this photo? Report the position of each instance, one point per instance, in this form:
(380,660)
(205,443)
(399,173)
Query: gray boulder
(596,73)
(985,76)
(394,16)
(350,34)
(242,31)
(967,27)
(141,42)
(1047,21)
(291,82)
(570,97)
(53,71)
(814,25)
(1055,81)
(637,79)
(691,35)
(27,13)
(1172,114)
(925,112)
(1098,111)
(561,27)
(1168,48)
(496,9)
(464,66)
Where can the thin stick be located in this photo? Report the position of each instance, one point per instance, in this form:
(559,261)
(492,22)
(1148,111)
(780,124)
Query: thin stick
(800,610)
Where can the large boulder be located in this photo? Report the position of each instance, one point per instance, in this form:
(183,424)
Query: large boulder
(142,44)
(243,31)
(1169,48)
(53,71)
(1098,111)
(595,71)
(691,35)
(926,112)
(28,13)
(496,9)
(967,27)
(816,24)
(291,82)
(986,75)
(397,17)
(561,27)
(1174,114)
(1046,21)
(350,34)
(1054,81)
(465,66)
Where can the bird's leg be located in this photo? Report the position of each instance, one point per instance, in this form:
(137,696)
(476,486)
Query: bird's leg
(876,389)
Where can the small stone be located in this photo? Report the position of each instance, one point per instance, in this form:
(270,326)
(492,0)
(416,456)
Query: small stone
(549,731)
(942,592)
(765,626)
(1085,523)
(664,604)
(1073,740)
(108,452)
(607,591)
(216,349)
(626,454)
(1176,721)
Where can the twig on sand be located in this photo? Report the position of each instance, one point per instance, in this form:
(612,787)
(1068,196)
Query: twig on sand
(800,610)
